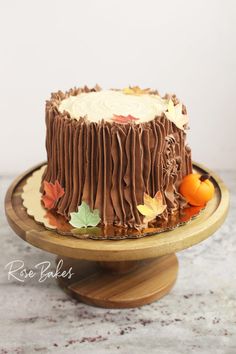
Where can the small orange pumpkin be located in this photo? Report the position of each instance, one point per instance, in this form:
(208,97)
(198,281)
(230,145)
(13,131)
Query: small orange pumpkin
(197,189)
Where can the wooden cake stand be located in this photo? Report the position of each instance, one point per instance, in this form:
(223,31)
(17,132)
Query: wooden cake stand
(121,273)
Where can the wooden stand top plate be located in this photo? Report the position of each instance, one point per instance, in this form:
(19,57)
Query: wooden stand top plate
(168,242)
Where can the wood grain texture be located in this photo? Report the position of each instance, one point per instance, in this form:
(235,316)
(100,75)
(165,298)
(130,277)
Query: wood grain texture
(123,250)
(149,281)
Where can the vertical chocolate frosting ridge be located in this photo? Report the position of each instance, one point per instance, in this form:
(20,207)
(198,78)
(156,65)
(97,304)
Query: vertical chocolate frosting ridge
(111,165)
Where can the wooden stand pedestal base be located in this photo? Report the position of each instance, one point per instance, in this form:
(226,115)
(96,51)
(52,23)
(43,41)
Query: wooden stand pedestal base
(124,273)
(119,284)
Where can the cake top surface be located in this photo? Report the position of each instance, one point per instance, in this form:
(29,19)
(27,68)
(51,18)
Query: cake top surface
(122,106)
(107,103)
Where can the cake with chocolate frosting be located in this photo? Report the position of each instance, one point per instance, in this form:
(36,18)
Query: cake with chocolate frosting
(119,152)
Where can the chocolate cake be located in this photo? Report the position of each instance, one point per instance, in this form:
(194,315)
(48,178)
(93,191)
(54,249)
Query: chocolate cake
(114,149)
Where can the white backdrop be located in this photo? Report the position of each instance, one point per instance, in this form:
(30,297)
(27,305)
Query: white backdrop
(186,47)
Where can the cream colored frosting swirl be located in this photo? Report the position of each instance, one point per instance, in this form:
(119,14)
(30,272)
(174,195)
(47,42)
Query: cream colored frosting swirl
(107,103)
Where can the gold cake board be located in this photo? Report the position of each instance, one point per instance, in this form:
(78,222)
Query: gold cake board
(124,273)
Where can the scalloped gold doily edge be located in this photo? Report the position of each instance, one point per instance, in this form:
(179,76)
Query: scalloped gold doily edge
(31,197)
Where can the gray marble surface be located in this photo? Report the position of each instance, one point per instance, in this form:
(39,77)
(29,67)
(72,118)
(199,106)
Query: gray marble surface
(198,316)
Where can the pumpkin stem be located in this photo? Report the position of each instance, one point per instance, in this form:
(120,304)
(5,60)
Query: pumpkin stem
(204,177)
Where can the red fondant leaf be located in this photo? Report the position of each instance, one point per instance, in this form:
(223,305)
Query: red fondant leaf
(123,119)
(52,193)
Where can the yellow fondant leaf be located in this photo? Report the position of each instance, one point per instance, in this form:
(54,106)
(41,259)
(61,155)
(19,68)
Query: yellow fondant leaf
(175,115)
(135,90)
(145,210)
(151,207)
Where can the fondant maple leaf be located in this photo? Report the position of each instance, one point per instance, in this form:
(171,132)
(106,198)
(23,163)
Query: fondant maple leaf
(124,119)
(151,207)
(135,90)
(56,220)
(175,115)
(84,217)
(52,193)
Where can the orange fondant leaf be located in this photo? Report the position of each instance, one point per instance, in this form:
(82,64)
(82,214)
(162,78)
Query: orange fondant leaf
(57,220)
(190,212)
(124,119)
(52,193)
(151,207)
(135,90)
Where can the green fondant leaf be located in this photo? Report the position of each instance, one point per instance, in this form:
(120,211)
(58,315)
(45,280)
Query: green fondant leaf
(84,217)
